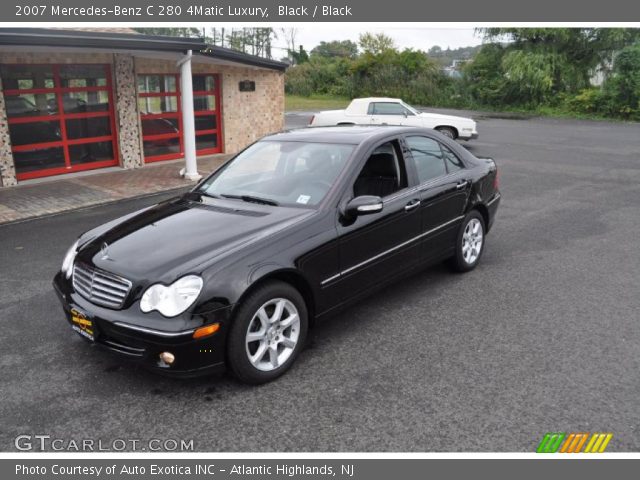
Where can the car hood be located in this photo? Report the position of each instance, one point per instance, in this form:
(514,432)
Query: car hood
(449,118)
(176,237)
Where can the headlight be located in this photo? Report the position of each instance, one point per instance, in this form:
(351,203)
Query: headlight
(67,263)
(174,299)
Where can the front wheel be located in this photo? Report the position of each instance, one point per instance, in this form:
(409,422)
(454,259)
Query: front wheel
(469,243)
(267,334)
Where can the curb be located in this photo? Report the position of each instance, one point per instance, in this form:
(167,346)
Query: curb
(93,205)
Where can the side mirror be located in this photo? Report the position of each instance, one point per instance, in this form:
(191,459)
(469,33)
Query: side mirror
(363,205)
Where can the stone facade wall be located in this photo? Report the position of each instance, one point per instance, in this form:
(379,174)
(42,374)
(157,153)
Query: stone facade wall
(127,114)
(7,169)
(246,116)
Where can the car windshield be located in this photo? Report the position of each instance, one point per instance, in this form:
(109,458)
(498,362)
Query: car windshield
(280,173)
(411,108)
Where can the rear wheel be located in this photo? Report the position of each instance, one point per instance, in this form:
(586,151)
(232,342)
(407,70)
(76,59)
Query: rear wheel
(267,334)
(447,132)
(469,242)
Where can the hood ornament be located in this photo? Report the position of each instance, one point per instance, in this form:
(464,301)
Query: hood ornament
(104,251)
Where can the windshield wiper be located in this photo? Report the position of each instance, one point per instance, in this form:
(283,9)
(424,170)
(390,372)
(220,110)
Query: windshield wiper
(251,199)
(205,194)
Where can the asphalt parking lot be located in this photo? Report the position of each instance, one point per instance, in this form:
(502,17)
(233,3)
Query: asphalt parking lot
(544,336)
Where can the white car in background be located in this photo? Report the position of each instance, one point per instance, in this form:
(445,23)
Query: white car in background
(393,111)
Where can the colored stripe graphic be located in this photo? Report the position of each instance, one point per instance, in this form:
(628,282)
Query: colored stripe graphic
(573,442)
(550,442)
(598,443)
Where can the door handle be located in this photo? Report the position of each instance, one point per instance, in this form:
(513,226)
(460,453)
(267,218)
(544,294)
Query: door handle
(411,205)
(462,184)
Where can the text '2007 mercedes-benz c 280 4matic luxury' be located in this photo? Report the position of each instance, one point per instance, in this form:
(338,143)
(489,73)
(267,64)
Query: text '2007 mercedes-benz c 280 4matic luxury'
(294,227)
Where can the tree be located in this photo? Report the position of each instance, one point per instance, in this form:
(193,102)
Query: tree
(300,56)
(215,36)
(621,91)
(534,66)
(336,49)
(580,50)
(484,78)
(255,41)
(289,35)
(376,43)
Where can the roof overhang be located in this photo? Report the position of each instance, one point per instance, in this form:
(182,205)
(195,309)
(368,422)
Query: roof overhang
(137,44)
(101,40)
(233,56)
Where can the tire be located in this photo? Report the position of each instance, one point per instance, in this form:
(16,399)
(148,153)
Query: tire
(469,246)
(447,132)
(261,347)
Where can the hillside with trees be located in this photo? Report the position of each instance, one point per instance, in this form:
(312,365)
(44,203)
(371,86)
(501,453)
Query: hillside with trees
(576,71)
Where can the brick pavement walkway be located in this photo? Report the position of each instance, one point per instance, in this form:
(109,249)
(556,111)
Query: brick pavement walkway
(69,193)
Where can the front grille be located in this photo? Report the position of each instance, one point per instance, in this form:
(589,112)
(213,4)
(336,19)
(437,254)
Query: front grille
(100,287)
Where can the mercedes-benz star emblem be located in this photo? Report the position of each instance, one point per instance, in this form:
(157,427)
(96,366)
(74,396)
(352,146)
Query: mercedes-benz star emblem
(104,251)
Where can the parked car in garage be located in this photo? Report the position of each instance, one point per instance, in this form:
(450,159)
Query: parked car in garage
(295,227)
(393,111)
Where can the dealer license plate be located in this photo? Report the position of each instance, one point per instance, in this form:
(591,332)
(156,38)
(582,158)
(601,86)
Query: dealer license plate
(81,324)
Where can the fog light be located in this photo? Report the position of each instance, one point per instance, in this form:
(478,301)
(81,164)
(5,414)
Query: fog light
(167,357)
(206,331)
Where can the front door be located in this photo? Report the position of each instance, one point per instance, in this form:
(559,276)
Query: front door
(390,113)
(378,246)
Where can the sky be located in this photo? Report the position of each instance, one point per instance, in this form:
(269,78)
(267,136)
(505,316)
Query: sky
(416,38)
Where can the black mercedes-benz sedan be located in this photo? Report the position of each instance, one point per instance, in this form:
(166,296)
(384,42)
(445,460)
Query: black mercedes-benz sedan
(290,230)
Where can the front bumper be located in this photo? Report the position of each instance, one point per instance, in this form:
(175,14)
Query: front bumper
(468,136)
(127,334)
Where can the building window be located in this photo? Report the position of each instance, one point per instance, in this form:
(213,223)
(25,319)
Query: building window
(161,116)
(159,105)
(60,118)
(206,97)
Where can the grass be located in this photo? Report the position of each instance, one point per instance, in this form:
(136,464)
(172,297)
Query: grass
(550,111)
(319,102)
(315,102)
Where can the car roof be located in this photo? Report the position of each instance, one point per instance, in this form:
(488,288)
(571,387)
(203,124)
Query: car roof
(378,99)
(347,134)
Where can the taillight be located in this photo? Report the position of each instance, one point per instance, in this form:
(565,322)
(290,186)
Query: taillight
(313,117)
(496,180)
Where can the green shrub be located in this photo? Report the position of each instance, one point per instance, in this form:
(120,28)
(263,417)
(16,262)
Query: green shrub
(621,91)
(588,100)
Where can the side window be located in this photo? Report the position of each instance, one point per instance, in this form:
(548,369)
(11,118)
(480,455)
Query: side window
(383,174)
(451,160)
(427,157)
(389,108)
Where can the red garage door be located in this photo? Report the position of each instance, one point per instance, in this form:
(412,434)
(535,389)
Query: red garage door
(60,118)
(161,116)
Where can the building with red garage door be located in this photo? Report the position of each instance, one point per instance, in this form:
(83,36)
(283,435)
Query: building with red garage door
(74,100)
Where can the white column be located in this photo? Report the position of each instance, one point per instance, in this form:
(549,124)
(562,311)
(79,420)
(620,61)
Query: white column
(188,125)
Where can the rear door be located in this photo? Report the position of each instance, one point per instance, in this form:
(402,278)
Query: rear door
(444,186)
